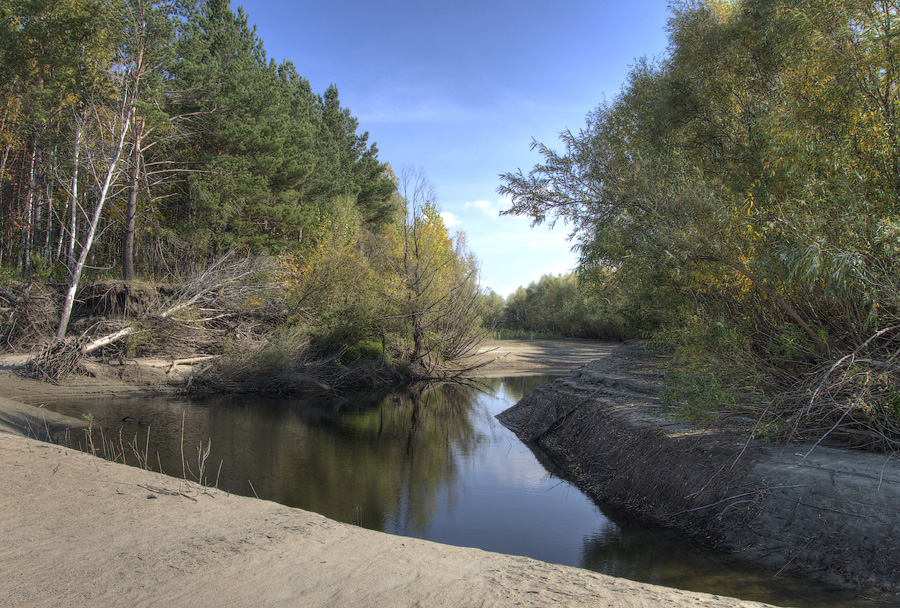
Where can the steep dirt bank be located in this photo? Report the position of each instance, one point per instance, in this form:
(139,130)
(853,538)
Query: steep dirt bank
(831,514)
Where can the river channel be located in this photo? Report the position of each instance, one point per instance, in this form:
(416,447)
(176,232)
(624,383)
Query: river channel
(432,464)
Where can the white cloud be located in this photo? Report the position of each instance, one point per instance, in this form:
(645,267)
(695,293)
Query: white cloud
(450,220)
(491,209)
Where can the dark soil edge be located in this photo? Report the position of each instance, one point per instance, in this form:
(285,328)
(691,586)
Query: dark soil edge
(826,517)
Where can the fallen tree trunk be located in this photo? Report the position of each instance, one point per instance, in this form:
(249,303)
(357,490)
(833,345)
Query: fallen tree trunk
(190,361)
(108,339)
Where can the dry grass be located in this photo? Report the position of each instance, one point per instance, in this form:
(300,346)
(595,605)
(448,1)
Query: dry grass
(290,365)
(116,448)
(852,399)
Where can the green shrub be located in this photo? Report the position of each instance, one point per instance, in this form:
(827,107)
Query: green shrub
(367,350)
(711,369)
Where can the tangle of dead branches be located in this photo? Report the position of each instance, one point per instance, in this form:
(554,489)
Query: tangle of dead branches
(229,287)
(852,399)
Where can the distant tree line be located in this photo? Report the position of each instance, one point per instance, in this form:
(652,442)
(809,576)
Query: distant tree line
(561,305)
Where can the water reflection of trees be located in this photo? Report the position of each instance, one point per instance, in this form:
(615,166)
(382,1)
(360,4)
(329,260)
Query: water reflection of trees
(380,463)
(389,461)
(439,431)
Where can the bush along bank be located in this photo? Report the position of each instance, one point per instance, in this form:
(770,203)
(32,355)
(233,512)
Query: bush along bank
(812,510)
(253,315)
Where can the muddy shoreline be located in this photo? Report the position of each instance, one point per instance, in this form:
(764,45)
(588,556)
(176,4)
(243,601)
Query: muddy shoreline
(829,514)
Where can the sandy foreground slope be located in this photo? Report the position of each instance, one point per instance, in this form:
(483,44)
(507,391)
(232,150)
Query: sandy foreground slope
(80,531)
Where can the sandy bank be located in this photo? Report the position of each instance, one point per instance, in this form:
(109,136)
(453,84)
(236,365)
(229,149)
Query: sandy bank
(29,421)
(826,513)
(77,530)
(538,357)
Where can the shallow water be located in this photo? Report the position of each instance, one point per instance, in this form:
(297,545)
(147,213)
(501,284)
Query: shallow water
(434,465)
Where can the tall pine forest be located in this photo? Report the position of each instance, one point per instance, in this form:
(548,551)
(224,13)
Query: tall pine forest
(154,141)
(208,145)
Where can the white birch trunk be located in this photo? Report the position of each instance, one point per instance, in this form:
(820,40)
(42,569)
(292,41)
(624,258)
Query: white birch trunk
(92,228)
(73,221)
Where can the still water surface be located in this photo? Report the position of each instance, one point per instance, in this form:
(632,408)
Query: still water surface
(434,465)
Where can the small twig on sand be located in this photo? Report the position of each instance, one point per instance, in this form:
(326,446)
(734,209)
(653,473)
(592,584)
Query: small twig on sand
(713,504)
(165,491)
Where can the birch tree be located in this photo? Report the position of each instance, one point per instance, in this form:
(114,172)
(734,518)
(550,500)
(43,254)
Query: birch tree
(111,127)
(50,54)
(437,289)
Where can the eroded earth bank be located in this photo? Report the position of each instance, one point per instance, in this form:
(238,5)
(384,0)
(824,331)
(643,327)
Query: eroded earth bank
(827,513)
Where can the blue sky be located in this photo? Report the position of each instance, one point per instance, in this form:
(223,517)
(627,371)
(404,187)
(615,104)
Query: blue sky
(460,88)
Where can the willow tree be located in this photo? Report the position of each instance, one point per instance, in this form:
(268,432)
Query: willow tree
(711,173)
(410,285)
(751,175)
